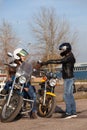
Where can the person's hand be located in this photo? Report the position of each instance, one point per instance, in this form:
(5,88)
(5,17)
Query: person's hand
(39,62)
(42,63)
(38,65)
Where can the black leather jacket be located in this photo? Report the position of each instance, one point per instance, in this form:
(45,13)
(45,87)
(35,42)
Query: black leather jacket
(67,65)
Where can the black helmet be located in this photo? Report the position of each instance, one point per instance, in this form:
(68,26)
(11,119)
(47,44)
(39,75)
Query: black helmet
(65,48)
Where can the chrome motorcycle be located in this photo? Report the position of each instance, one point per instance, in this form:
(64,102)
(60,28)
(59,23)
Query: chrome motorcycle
(14,101)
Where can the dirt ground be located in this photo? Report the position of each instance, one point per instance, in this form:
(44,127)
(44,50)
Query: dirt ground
(53,123)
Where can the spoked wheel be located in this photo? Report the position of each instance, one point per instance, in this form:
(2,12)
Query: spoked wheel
(9,112)
(48,109)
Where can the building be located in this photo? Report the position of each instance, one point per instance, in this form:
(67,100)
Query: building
(80,71)
(3,75)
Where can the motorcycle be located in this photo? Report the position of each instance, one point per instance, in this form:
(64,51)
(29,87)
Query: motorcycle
(15,102)
(46,95)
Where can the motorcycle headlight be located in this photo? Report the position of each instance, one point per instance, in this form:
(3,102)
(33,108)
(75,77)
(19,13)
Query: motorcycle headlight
(22,79)
(52,82)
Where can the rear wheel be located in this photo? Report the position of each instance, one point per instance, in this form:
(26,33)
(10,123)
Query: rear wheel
(48,109)
(9,113)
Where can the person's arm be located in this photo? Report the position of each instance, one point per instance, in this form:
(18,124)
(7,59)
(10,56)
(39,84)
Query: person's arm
(56,61)
(68,58)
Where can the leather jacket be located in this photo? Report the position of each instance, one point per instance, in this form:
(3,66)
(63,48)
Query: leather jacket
(67,65)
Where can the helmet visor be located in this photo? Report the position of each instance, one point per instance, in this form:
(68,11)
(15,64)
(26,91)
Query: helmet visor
(23,53)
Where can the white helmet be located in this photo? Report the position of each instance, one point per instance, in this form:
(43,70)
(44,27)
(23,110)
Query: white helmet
(19,52)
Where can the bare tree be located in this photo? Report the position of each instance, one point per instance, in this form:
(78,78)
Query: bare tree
(8,41)
(50,31)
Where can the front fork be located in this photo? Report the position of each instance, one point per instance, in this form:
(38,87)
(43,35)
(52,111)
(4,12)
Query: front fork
(44,98)
(11,92)
(47,93)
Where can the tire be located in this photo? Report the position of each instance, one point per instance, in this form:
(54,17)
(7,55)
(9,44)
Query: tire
(48,109)
(10,112)
(2,101)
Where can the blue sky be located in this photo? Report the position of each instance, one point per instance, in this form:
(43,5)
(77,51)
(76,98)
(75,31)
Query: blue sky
(20,12)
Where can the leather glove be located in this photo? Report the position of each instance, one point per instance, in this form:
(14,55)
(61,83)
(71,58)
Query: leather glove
(40,62)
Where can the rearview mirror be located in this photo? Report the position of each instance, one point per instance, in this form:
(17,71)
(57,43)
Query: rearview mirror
(10,54)
(13,65)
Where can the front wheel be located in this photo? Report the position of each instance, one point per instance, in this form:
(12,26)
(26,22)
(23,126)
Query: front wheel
(10,112)
(48,109)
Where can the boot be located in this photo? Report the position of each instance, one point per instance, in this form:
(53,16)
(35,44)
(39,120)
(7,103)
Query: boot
(33,115)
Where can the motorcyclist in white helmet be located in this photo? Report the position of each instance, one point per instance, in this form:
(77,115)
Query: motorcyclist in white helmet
(20,55)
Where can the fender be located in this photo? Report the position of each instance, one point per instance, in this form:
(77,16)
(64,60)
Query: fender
(52,94)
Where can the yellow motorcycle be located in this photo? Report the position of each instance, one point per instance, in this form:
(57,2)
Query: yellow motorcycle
(46,95)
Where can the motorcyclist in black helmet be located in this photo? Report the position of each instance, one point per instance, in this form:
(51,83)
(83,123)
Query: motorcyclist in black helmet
(67,61)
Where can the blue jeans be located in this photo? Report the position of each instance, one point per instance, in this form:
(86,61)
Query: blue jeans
(32,94)
(9,83)
(68,96)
